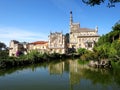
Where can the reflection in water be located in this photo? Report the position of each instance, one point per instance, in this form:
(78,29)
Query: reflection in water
(83,74)
(56,68)
(74,76)
(107,79)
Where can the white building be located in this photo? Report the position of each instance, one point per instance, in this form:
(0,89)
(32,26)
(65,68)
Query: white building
(16,46)
(57,43)
(82,37)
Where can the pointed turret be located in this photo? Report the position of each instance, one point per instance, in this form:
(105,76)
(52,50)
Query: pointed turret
(96,29)
(71,18)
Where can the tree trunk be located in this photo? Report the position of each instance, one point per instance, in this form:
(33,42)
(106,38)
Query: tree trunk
(113,38)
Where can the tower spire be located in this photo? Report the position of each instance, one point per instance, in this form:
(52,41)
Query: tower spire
(71,18)
(96,29)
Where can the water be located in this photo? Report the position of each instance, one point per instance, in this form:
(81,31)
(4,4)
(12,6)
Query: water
(62,75)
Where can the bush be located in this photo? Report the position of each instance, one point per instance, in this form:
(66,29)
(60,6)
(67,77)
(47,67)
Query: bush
(82,51)
(4,54)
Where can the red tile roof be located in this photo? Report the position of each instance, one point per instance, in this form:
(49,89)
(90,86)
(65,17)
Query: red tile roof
(39,42)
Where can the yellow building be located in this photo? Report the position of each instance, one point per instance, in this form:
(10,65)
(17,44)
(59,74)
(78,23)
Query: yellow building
(41,46)
(82,37)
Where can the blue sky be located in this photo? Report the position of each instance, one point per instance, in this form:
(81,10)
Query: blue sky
(32,20)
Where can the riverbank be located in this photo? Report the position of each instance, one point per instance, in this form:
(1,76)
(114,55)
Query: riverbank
(33,58)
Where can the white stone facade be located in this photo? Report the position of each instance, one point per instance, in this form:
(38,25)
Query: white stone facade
(78,38)
(82,37)
(56,43)
(17,46)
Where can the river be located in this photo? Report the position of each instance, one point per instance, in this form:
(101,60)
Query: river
(59,75)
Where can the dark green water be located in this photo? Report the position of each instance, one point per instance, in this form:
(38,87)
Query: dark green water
(64,75)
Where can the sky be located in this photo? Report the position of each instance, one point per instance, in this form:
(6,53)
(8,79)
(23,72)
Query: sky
(33,20)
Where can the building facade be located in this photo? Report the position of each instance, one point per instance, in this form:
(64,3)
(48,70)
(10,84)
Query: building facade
(40,46)
(16,46)
(56,43)
(81,37)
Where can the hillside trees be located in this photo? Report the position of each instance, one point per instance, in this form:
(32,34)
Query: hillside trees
(108,46)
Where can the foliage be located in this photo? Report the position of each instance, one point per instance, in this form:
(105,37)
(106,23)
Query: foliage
(111,3)
(3,51)
(82,51)
(4,54)
(116,46)
(19,53)
(32,57)
(67,37)
(93,2)
(111,36)
(102,50)
(86,54)
(117,26)
(2,46)
(108,46)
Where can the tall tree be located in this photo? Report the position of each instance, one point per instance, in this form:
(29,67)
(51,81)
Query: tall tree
(2,46)
(4,52)
(67,37)
(116,29)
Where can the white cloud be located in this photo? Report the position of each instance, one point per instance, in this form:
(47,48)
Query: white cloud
(8,33)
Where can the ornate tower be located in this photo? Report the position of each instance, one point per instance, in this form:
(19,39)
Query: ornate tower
(71,18)
(96,29)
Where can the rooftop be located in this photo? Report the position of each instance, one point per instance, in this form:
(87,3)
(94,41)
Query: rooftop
(39,42)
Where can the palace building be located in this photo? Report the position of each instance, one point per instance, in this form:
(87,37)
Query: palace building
(57,43)
(81,37)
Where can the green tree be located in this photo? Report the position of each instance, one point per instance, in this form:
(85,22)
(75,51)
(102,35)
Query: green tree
(3,51)
(86,54)
(4,54)
(81,51)
(2,46)
(108,46)
(33,55)
(116,45)
(112,52)
(116,29)
(67,37)
(111,3)
(103,50)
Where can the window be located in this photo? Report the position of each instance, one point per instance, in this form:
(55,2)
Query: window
(89,44)
(73,46)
